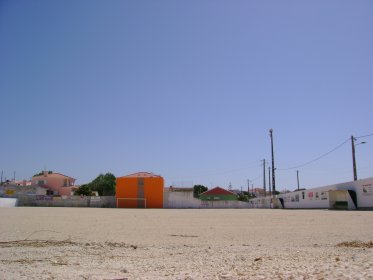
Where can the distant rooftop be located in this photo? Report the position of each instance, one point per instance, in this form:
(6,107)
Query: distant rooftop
(218,191)
(142,175)
(53,175)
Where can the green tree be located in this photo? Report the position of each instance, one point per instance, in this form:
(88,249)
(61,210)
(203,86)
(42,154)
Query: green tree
(243,197)
(103,184)
(198,189)
(83,190)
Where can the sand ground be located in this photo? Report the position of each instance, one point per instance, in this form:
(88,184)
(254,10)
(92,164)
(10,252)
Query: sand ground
(80,243)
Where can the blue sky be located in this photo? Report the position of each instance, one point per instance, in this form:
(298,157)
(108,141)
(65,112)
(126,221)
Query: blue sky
(186,89)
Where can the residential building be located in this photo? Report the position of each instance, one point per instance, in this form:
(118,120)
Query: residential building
(218,193)
(56,183)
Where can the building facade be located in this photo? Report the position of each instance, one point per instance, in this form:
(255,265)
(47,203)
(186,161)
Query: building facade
(140,190)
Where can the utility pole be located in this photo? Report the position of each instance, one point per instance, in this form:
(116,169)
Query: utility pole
(298,178)
(269,180)
(264,177)
(273,164)
(1,177)
(353,157)
(248,186)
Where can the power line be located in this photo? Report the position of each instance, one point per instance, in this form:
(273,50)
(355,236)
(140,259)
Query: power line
(316,159)
(364,136)
(256,178)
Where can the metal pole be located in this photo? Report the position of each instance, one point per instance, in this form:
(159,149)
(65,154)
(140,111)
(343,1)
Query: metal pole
(273,164)
(353,157)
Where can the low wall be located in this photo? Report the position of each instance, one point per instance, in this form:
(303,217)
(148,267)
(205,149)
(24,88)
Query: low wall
(8,202)
(72,201)
(14,191)
(184,199)
(180,199)
(171,200)
(224,204)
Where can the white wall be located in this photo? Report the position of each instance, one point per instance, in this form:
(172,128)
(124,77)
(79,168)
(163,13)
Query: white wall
(181,199)
(8,202)
(319,197)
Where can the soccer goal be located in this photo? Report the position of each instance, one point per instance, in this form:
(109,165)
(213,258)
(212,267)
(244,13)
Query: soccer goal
(126,202)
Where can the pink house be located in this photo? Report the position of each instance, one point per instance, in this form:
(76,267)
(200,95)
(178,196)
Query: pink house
(57,184)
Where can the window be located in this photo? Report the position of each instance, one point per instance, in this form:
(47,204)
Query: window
(42,182)
(324,196)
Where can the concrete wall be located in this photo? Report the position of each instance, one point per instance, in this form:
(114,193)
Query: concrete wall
(225,204)
(8,202)
(174,200)
(73,201)
(14,190)
(181,199)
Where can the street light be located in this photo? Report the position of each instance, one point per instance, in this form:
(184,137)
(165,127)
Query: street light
(353,145)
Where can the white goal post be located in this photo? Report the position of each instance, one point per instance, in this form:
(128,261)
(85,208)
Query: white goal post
(132,199)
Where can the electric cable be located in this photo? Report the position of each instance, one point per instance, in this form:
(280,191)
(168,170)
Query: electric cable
(316,159)
(364,136)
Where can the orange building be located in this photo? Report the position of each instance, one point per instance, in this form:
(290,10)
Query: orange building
(140,190)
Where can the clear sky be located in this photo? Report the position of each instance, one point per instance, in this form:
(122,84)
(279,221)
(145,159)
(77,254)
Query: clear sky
(186,89)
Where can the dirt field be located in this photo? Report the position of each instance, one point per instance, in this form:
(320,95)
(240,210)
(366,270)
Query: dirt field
(79,243)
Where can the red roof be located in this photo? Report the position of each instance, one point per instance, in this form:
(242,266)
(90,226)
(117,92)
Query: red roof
(142,175)
(217,191)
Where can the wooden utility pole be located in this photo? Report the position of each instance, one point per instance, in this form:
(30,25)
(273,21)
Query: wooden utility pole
(269,181)
(353,157)
(264,177)
(273,163)
(298,178)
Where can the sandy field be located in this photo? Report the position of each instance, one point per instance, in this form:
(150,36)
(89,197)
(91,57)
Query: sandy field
(83,243)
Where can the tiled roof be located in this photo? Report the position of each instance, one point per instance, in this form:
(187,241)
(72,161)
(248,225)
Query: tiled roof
(54,175)
(217,191)
(142,175)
